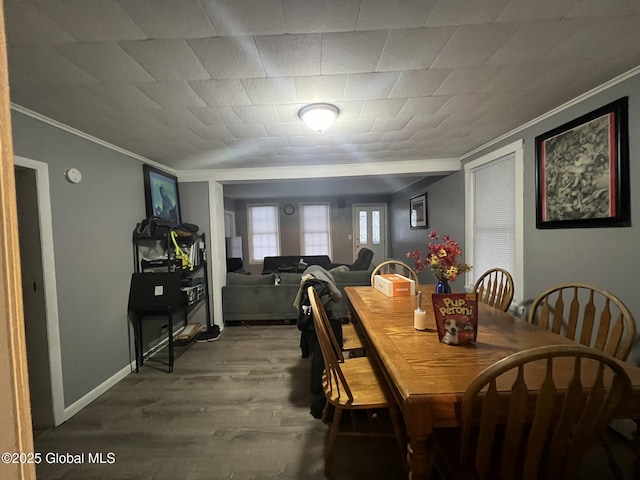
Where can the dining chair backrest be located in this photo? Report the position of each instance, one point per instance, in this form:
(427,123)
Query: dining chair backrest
(395,266)
(549,425)
(495,287)
(587,314)
(335,378)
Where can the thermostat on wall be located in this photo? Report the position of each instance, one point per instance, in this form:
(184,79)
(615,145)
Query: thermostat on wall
(73,175)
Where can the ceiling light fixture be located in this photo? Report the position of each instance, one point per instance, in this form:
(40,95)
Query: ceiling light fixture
(319,116)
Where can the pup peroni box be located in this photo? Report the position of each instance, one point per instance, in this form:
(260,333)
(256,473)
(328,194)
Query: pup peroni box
(456,317)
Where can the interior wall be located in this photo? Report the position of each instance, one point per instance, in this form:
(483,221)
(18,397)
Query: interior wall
(194,202)
(445,215)
(92,226)
(606,257)
(341,225)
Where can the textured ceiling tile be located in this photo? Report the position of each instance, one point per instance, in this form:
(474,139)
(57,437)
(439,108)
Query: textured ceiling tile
(350,127)
(376,14)
(247,131)
(125,96)
(270,91)
(47,66)
(528,10)
(290,55)
(598,8)
(468,79)
(284,129)
(375,147)
(173,116)
(413,49)
(229,57)
(418,83)
(369,86)
(289,113)
(382,108)
(533,41)
(368,137)
(317,16)
(272,142)
(463,12)
(352,51)
(172,94)
(473,45)
(384,125)
(26,25)
(91,20)
(423,106)
(233,18)
(106,61)
(167,60)
(304,141)
(349,110)
(251,114)
(242,144)
(321,88)
(594,38)
(464,103)
(216,115)
(169,18)
(398,136)
(211,132)
(221,92)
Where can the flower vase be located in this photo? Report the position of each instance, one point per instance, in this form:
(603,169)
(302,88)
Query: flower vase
(443,286)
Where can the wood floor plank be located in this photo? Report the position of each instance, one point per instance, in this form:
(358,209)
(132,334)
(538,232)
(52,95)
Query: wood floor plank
(236,408)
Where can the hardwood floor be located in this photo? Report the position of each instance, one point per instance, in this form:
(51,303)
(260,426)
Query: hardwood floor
(236,408)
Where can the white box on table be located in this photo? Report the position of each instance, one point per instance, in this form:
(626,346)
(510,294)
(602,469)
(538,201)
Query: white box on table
(394,285)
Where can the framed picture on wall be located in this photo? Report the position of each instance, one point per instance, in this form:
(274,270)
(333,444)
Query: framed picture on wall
(582,171)
(161,195)
(418,212)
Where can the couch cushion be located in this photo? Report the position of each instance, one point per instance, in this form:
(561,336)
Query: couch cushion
(287,278)
(240,279)
(356,277)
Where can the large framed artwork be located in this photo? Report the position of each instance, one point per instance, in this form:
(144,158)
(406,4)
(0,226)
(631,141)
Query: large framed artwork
(161,195)
(418,212)
(582,171)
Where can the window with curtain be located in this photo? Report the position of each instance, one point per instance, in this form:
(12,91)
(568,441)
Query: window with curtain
(315,229)
(264,235)
(494,207)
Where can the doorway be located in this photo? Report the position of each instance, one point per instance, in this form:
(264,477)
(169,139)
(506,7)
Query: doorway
(370,230)
(39,293)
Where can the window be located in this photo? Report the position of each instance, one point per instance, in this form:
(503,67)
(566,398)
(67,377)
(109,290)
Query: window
(264,236)
(314,228)
(494,210)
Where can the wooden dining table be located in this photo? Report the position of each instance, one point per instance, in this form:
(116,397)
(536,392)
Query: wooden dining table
(428,378)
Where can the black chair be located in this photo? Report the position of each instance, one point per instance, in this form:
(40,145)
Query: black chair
(362,262)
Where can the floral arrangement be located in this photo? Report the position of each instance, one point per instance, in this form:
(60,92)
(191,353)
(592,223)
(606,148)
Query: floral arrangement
(442,258)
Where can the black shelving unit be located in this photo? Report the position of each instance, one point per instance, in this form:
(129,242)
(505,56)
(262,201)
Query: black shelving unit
(185,256)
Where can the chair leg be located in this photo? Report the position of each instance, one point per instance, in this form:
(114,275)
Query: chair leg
(333,434)
(613,465)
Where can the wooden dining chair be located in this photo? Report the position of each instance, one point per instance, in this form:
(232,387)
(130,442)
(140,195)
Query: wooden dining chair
(495,287)
(395,266)
(587,314)
(353,385)
(514,427)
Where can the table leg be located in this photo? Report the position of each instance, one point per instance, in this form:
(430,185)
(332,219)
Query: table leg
(421,454)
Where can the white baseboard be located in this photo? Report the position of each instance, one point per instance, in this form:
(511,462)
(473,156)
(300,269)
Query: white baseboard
(78,405)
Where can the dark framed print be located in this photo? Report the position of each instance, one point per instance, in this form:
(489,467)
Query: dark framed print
(418,211)
(161,194)
(582,171)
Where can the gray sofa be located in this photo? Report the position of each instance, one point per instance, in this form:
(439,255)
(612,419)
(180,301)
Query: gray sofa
(258,297)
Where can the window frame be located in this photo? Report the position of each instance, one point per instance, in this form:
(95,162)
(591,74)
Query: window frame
(301,224)
(515,149)
(276,207)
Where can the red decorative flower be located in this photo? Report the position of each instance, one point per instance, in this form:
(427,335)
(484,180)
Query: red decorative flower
(441,257)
